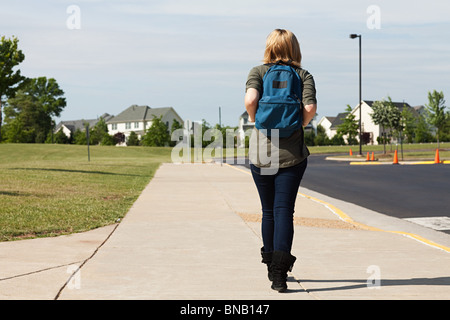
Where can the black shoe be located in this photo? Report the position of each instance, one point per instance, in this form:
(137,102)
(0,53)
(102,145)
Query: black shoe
(282,262)
(267,259)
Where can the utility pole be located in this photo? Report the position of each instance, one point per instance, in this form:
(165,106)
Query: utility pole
(87,139)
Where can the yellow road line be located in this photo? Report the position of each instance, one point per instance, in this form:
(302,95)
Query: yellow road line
(421,239)
(361,163)
(341,215)
(346,218)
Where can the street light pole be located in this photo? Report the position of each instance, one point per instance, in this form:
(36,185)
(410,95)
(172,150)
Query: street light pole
(353,36)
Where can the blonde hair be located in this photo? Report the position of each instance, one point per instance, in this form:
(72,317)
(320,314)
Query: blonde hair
(282,45)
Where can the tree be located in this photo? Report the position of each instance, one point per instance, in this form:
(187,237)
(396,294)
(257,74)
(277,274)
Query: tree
(349,127)
(227,133)
(409,123)
(157,135)
(48,94)
(175,125)
(422,131)
(338,140)
(309,137)
(119,137)
(10,57)
(97,133)
(79,137)
(445,133)
(32,110)
(386,114)
(321,139)
(107,140)
(21,115)
(436,115)
(61,138)
(197,137)
(133,139)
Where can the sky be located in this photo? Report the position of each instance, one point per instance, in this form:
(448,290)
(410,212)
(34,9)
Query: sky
(195,55)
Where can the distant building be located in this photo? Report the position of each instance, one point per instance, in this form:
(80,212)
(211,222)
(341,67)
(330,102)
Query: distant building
(69,127)
(244,125)
(139,119)
(326,123)
(369,129)
(331,124)
(421,110)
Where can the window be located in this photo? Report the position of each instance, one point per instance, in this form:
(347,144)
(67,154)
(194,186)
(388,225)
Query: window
(136,125)
(114,126)
(128,125)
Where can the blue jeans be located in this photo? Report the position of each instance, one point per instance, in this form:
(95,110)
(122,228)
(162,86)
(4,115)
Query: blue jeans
(278,193)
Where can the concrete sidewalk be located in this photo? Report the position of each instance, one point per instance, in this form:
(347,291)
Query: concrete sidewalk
(194,233)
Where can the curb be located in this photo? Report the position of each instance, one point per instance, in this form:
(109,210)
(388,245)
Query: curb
(400,162)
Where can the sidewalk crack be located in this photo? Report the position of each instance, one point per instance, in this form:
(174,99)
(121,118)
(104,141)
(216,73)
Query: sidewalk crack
(83,263)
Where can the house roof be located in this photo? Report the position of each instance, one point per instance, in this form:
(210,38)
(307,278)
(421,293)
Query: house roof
(420,110)
(244,115)
(330,119)
(73,125)
(140,113)
(399,105)
(338,120)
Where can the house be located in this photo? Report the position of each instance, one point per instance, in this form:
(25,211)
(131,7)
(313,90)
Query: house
(139,119)
(244,125)
(326,123)
(421,110)
(69,127)
(331,124)
(369,129)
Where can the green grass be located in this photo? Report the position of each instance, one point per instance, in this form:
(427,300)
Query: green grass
(428,147)
(416,151)
(48,190)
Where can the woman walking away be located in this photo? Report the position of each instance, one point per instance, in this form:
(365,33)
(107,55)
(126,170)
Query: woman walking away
(281,99)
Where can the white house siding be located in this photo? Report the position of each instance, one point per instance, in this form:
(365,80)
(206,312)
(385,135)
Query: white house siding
(367,124)
(66,131)
(122,127)
(244,127)
(139,126)
(168,119)
(326,124)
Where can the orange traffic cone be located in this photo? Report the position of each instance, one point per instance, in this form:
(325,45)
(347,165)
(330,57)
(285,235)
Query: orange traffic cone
(395,158)
(373,157)
(367,158)
(351,152)
(436,157)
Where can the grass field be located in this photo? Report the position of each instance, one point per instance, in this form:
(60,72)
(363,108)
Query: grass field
(48,190)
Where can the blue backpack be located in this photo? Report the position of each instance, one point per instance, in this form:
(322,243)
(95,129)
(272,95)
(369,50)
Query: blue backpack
(280,106)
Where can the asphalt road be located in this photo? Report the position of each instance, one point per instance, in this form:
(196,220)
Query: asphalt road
(402,191)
